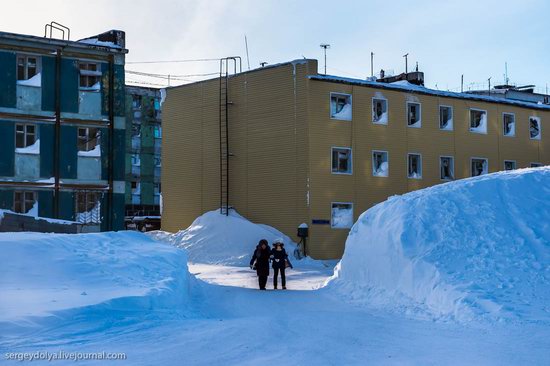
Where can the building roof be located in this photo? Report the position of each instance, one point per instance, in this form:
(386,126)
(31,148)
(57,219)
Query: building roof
(411,88)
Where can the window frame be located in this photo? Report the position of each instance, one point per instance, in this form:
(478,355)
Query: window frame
(387,161)
(87,142)
(539,120)
(478,158)
(452,158)
(487,121)
(331,216)
(26,71)
(387,111)
(408,103)
(23,201)
(421,172)
(509,161)
(504,126)
(89,74)
(25,134)
(330,106)
(350,160)
(452,117)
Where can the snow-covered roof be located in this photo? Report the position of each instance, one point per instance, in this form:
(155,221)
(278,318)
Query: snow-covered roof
(412,88)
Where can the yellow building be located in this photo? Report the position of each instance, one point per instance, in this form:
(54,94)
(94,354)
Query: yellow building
(315,149)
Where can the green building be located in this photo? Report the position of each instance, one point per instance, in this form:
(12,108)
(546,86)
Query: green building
(143,158)
(62,127)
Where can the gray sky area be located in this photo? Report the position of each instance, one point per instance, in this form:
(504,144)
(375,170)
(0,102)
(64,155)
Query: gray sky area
(447,38)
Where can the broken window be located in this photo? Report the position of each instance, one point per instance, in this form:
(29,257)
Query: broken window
(341,160)
(88,207)
(380,166)
(341,215)
(27,66)
(158,160)
(90,75)
(535,165)
(415,166)
(88,138)
(379,110)
(445,118)
(480,166)
(534,128)
(413,115)
(23,201)
(136,101)
(509,165)
(25,135)
(447,167)
(340,106)
(509,124)
(136,159)
(478,121)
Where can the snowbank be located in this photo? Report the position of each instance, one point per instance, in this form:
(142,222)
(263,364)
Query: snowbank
(470,249)
(64,275)
(214,238)
(344,114)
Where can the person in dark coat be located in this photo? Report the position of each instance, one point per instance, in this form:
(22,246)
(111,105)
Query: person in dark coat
(280,262)
(260,262)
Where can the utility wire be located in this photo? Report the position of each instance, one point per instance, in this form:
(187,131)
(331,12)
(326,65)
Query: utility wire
(168,76)
(173,61)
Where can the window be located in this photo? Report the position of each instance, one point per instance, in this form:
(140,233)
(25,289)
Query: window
(445,118)
(136,101)
(23,201)
(136,159)
(25,135)
(478,121)
(535,165)
(341,160)
(158,160)
(158,132)
(340,106)
(88,138)
(90,75)
(480,166)
(414,118)
(341,215)
(447,167)
(509,124)
(509,165)
(380,166)
(157,189)
(88,207)
(27,66)
(534,128)
(380,111)
(415,166)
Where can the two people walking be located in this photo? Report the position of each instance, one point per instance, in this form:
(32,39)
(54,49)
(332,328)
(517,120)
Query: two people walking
(261,258)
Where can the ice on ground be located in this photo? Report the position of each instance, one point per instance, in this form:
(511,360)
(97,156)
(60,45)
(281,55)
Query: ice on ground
(214,238)
(345,113)
(43,275)
(471,249)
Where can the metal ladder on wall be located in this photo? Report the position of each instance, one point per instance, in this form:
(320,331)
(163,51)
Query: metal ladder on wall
(224,128)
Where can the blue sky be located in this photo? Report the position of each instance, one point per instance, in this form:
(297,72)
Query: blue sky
(474,38)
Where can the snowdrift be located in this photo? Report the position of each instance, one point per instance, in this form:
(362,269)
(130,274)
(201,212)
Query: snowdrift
(227,240)
(471,249)
(86,274)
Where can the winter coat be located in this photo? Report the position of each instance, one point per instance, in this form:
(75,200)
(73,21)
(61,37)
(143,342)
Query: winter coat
(261,257)
(278,257)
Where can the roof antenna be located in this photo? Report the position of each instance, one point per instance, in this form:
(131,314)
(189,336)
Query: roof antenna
(263,63)
(325,46)
(406,63)
(247,58)
(371,64)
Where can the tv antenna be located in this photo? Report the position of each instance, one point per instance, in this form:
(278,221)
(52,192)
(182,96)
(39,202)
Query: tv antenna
(324,46)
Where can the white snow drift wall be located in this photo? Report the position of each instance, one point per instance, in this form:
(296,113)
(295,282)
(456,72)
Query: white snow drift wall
(474,248)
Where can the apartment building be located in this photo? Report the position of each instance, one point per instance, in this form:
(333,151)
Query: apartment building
(62,127)
(302,147)
(143,157)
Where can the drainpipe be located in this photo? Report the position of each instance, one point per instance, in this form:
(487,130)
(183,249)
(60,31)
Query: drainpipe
(57,138)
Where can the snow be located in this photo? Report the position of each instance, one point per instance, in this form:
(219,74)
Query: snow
(449,125)
(92,216)
(482,127)
(534,128)
(35,81)
(94,153)
(234,238)
(342,216)
(512,131)
(33,212)
(33,149)
(344,114)
(474,249)
(97,42)
(383,170)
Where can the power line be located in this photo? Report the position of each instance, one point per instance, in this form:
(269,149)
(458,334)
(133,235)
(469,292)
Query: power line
(173,61)
(168,76)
